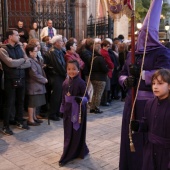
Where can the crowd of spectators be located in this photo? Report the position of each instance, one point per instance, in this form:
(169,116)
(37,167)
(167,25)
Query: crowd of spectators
(33,70)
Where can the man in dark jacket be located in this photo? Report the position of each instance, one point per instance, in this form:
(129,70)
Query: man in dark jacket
(23,33)
(14,61)
(56,72)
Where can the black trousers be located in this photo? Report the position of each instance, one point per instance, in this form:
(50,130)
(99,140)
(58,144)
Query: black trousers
(56,82)
(14,98)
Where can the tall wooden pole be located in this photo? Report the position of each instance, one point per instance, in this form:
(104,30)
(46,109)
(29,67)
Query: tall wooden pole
(132,147)
(133,44)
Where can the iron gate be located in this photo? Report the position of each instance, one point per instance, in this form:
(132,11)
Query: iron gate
(100,27)
(60,12)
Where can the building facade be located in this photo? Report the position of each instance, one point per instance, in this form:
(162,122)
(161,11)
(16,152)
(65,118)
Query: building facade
(71,18)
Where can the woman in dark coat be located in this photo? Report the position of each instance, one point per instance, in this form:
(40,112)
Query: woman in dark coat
(72,99)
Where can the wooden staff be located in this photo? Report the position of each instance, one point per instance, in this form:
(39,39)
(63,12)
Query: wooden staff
(132,148)
(83,34)
(88,81)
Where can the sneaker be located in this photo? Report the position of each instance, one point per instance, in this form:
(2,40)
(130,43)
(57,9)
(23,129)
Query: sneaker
(22,126)
(7,131)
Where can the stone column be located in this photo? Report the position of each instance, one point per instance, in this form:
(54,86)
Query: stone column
(121,27)
(80,20)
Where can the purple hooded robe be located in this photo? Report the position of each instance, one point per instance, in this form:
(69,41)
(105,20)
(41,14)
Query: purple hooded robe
(157,56)
(157,146)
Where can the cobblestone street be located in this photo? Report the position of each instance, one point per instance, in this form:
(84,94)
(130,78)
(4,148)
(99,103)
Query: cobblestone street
(40,147)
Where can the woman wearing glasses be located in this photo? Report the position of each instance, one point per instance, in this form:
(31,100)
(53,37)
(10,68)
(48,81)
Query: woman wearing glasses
(35,85)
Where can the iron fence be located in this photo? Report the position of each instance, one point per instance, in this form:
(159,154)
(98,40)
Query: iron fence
(100,27)
(29,11)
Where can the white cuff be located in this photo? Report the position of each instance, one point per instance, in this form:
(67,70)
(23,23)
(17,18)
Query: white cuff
(143,75)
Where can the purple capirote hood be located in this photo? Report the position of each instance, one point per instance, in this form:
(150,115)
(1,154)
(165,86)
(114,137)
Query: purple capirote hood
(153,31)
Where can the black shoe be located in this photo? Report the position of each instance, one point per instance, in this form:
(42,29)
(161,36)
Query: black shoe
(22,126)
(7,131)
(54,118)
(92,110)
(61,164)
(98,111)
(33,123)
(105,104)
(38,121)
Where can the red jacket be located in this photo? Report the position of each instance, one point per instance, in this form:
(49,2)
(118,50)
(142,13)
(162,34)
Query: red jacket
(74,56)
(108,60)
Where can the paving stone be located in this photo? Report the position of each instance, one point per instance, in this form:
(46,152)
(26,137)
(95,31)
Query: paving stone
(40,148)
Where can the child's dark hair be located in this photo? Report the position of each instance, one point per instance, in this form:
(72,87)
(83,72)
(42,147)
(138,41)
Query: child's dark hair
(164,73)
(74,62)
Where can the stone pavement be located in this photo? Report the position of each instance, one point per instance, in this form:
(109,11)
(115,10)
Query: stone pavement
(40,147)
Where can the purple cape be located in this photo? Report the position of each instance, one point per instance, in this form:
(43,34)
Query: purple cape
(156,152)
(74,140)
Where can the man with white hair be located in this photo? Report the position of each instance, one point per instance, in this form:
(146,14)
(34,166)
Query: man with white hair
(56,72)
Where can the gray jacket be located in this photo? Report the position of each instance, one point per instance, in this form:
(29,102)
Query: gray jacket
(35,79)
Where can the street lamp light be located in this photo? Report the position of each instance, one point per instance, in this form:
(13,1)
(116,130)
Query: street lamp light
(139,25)
(167,28)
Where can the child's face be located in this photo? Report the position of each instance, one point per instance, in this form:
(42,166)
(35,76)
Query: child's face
(72,70)
(160,88)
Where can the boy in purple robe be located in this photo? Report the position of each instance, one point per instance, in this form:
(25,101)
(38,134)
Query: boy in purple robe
(157,56)
(156,151)
(73,108)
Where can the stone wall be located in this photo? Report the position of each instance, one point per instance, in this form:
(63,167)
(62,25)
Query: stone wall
(121,27)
